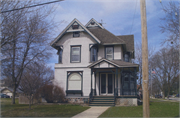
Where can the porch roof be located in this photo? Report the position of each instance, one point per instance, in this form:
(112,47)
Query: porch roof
(113,63)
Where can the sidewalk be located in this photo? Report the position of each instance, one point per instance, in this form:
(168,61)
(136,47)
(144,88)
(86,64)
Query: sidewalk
(92,112)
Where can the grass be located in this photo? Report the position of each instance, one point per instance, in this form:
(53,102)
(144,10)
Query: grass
(157,109)
(21,110)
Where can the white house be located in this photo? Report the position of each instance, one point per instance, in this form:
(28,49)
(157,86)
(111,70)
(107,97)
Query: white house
(95,65)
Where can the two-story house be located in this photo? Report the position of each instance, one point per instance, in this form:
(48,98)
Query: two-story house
(95,65)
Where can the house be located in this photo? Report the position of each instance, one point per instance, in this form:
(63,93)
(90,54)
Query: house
(95,65)
(9,91)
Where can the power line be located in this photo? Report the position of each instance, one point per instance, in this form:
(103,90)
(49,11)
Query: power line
(31,6)
(133,17)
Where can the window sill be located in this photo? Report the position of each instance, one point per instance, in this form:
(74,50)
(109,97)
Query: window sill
(75,62)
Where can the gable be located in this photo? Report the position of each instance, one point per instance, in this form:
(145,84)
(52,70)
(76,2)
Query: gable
(93,23)
(70,28)
(104,64)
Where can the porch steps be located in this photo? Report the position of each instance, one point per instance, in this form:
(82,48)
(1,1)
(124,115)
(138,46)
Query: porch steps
(102,101)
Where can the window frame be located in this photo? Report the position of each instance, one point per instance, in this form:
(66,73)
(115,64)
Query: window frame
(67,82)
(76,34)
(91,55)
(71,47)
(112,51)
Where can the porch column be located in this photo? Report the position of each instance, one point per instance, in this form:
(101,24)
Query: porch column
(117,81)
(95,82)
(91,81)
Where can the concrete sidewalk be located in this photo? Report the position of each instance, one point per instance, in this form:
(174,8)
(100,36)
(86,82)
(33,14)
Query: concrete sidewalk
(92,112)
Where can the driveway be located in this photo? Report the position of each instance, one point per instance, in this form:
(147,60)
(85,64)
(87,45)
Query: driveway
(92,112)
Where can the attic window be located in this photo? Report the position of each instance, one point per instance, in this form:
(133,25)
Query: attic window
(75,26)
(92,23)
(76,34)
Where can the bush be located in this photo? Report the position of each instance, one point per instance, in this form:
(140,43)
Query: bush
(52,94)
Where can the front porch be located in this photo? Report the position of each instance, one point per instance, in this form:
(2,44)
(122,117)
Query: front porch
(112,79)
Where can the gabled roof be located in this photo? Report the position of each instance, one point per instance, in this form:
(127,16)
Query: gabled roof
(95,24)
(129,41)
(116,63)
(106,37)
(11,89)
(67,28)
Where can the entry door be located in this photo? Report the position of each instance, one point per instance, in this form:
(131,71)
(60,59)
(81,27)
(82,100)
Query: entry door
(106,84)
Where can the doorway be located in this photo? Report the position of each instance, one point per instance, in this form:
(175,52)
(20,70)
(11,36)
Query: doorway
(106,84)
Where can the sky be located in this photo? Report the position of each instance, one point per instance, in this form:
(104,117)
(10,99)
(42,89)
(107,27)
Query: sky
(120,17)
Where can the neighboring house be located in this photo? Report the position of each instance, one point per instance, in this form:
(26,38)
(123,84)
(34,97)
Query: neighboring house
(9,91)
(94,63)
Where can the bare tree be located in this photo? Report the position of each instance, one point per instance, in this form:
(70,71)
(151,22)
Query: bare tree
(35,76)
(166,64)
(138,60)
(170,22)
(24,38)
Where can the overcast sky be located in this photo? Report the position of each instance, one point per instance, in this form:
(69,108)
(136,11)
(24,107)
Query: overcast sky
(120,17)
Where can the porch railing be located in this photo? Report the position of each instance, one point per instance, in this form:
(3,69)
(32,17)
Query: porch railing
(132,92)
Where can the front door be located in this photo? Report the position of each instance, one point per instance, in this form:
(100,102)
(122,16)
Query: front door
(106,86)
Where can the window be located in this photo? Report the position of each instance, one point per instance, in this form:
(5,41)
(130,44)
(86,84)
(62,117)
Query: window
(75,26)
(93,54)
(76,34)
(74,81)
(128,84)
(126,57)
(75,53)
(60,55)
(109,53)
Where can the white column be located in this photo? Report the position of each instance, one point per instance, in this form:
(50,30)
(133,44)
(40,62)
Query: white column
(93,81)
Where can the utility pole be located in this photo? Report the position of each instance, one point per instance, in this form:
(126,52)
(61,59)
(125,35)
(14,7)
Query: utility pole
(144,60)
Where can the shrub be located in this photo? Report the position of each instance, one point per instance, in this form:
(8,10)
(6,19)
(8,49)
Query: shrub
(52,94)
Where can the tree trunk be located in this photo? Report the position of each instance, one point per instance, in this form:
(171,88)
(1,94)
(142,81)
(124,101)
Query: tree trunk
(14,94)
(163,94)
(30,102)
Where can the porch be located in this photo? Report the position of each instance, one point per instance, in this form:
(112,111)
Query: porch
(110,79)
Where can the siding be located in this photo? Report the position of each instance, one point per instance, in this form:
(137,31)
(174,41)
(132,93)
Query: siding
(84,40)
(61,78)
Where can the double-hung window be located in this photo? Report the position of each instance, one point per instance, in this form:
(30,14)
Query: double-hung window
(109,53)
(93,54)
(75,54)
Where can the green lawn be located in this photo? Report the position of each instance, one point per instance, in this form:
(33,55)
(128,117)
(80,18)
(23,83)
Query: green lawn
(157,109)
(19,110)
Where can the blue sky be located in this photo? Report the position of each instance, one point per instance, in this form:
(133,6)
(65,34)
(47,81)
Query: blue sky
(120,17)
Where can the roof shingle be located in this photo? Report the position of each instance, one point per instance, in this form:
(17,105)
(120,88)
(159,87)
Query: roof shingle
(105,36)
(129,41)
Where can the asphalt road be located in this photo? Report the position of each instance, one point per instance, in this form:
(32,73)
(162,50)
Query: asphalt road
(174,98)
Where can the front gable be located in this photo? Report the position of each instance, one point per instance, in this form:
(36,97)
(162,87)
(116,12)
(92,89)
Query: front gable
(93,23)
(74,26)
(103,63)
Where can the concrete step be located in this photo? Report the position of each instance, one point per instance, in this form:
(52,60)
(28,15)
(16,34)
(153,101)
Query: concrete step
(102,102)
(101,105)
